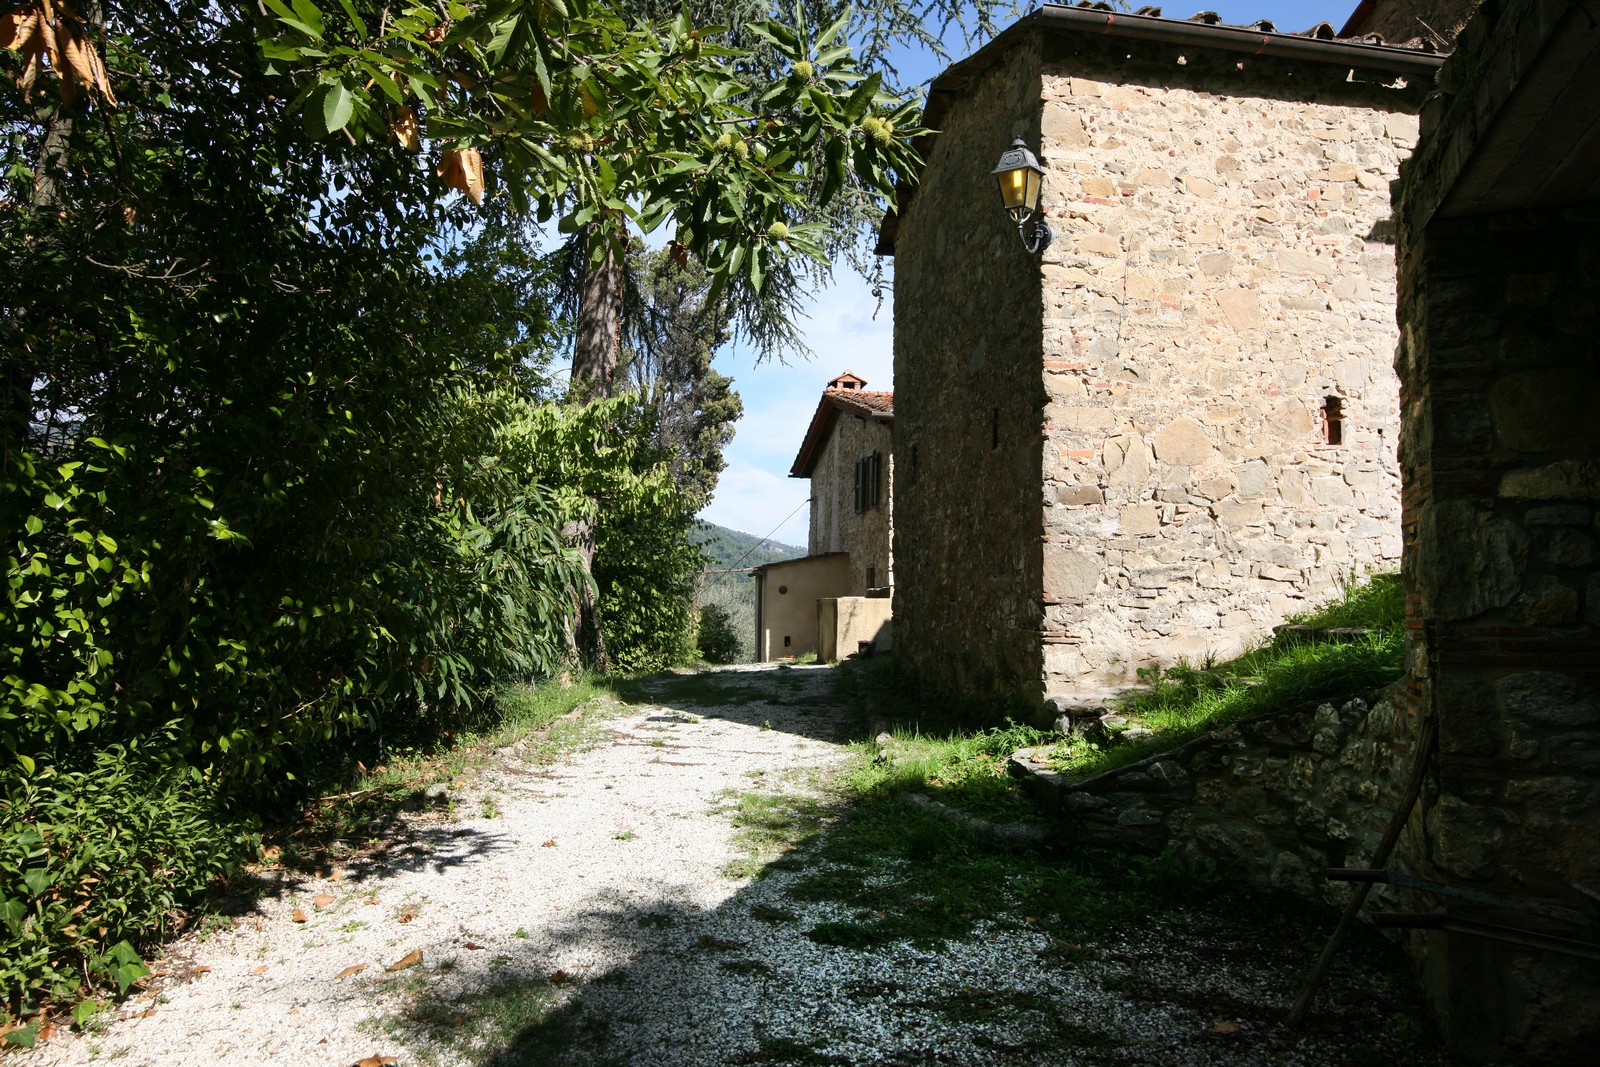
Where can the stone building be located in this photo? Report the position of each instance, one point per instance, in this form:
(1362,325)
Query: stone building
(835,599)
(1435,21)
(1179,425)
(1499,248)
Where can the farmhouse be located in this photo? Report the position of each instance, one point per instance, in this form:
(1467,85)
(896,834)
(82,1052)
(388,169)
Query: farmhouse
(1178,424)
(835,600)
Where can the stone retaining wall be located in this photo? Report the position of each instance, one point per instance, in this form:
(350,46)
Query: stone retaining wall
(1271,801)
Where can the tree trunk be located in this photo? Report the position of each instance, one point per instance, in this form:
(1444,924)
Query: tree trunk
(594,369)
(599,337)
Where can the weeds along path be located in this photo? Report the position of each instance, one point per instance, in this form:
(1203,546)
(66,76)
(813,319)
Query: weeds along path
(537,883)
(720,880)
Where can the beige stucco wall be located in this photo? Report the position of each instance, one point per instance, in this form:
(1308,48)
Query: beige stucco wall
(969,403)
(835,526)
(843,623)
(793,612)
(1222,267)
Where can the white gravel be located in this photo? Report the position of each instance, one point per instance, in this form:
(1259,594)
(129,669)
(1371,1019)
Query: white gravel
(605,873)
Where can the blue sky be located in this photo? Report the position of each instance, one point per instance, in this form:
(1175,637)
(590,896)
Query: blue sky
(755,493)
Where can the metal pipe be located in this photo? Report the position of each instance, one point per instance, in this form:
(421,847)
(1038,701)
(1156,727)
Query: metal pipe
(1242,39)
(1491,931)
(1406,881)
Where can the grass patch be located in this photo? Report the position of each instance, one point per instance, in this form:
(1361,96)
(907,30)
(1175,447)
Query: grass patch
(768,825)
(1183,702)
(518,1021)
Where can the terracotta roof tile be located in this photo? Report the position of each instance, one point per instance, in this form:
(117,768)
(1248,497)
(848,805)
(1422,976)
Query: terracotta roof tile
(863,402)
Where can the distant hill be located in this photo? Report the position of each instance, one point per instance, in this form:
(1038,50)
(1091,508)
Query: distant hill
(731,548)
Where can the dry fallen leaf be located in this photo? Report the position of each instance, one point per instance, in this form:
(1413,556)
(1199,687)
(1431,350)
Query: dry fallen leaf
(410,959)
(473,945)
(560,976)
(201,969)
(549,844)
(336,876)
(1225,1027)
(373,1061)
(355,968)
(322,900)
(407,913)
(299,915)
(260,970)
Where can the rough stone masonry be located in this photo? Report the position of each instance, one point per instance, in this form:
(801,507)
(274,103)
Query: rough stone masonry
(1181,425)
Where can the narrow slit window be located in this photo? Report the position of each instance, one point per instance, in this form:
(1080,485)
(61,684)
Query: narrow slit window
(1332,420)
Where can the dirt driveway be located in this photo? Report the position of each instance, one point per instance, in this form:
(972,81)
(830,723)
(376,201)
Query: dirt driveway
(608,910)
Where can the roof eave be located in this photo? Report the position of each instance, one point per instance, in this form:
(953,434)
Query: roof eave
(944,88)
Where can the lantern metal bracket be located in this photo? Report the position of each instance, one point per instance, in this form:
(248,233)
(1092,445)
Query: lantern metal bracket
(1037,237)
(1021,195)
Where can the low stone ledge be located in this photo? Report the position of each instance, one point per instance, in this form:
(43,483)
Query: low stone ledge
(1270,800)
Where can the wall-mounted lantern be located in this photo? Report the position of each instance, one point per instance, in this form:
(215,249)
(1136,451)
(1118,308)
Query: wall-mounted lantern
(1021,178)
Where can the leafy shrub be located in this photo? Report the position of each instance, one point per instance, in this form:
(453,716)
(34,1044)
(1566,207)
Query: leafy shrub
(94,862)
(717,640)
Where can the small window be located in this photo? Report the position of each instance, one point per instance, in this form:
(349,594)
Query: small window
(872,577)
(1332,420)
(785,640)
(869,482)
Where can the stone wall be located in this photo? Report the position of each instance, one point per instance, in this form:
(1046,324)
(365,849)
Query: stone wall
(968,404)
(1222,269)
(1501,372)
(1272,801)
(835,525)
(1439,21)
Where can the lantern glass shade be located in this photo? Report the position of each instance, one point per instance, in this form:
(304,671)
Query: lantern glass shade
(1020,177)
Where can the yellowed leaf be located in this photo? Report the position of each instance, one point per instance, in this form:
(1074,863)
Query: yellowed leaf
(355,968)
(374,1061)
(1227,1026)
(322,900)
(336,876)
(17,29)
(201,969)
(406,129)
(260,970)
(410,959)
(299,915)
(30,71)
(462,169)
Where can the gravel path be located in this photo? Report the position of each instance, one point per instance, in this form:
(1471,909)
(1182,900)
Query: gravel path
(581,914)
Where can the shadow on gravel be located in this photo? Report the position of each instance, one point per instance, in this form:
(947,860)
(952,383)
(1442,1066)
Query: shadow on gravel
(879,931)
(802,701)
